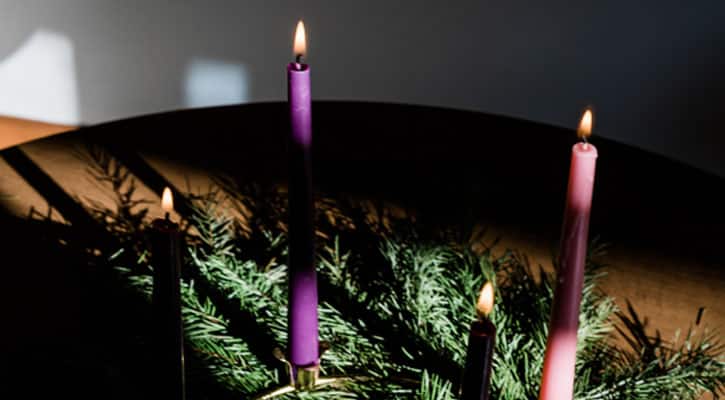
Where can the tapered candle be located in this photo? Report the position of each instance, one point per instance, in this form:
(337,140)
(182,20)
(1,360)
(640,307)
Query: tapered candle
(560,358)
(303,330)
(166,299)
(481,342)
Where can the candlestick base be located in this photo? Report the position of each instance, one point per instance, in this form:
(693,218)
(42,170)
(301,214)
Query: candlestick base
(306,378)
(319,382)
(300,378)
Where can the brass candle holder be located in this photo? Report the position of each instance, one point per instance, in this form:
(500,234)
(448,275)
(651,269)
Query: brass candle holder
(305,379)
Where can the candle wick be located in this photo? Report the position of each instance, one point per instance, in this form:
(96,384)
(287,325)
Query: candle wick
(298,61)
(168,216)
(585,142)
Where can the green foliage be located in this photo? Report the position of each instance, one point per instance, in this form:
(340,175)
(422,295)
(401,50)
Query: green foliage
(261,291)
(396,305)
(434,388)
(224,357)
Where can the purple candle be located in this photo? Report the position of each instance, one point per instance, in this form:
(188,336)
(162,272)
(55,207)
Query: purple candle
(302,323)
(481,344)
(168,326)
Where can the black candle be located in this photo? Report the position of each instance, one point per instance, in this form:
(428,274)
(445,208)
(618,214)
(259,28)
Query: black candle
(481,341)
(166,301)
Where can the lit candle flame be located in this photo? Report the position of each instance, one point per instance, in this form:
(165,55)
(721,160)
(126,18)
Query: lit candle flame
(300,47)
(167,200)
(485,300)
(585,125)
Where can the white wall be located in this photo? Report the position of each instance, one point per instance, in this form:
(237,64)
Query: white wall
(655,70)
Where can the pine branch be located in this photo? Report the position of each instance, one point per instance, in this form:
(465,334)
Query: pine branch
(433,387)
(226,358)
(394,302)
(262,293)
(653,368)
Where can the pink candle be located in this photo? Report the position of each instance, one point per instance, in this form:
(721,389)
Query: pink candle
(560,359)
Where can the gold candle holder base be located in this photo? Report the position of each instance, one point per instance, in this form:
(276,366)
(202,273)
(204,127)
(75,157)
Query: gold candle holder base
(301,378)
(306,377)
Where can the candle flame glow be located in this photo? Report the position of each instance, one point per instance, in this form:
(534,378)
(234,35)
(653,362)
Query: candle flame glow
(585,125)
(167,200)
(485,300)
(300,47)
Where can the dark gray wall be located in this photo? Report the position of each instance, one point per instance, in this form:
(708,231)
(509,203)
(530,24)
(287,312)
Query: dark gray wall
(655,70)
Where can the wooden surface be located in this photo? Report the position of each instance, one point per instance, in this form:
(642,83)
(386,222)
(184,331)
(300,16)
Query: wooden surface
(665,221)
(15,131)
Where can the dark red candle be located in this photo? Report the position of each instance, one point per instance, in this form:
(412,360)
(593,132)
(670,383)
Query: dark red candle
(166,303)
(481,342)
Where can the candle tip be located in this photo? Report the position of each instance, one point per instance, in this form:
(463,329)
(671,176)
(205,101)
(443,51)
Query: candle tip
(485,300)
(300,45)
(167,200)
(585,124)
